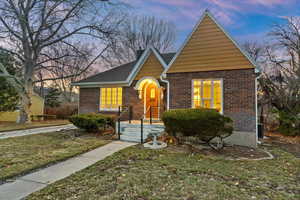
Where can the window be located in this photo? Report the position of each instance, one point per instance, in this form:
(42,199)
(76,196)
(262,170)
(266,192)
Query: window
(152,93)
(207,94)
(111,98)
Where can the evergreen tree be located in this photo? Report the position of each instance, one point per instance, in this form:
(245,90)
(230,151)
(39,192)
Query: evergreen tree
(52,98)
(9,99)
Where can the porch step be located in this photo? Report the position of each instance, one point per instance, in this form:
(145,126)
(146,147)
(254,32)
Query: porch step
(132,138)
(132,132)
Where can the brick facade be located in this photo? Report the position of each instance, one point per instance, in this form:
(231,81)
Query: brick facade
(238,94)
(89,100)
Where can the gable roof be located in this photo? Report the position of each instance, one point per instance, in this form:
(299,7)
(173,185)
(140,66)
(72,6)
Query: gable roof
(208,16)
(124,74)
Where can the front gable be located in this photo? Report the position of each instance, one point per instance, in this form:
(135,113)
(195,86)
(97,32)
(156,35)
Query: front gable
(151,67)
(209,48)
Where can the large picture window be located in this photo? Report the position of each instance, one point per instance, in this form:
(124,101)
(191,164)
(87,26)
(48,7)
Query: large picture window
(110,98)
(207,94)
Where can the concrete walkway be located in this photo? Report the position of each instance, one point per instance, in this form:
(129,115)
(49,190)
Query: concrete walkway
(25,185)
(32,131)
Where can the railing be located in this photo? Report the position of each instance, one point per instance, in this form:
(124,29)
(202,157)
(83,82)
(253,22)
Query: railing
(121,111)
(150,110)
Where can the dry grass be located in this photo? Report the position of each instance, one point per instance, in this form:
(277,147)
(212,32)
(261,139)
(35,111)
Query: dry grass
(141,174)
(20,155)
(12,126)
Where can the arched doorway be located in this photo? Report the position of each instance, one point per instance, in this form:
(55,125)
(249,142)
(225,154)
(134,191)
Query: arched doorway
(150,93)
(151,101)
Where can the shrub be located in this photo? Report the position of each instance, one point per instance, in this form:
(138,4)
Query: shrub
(204,124)
(289,123)
(92,122)
(64,111)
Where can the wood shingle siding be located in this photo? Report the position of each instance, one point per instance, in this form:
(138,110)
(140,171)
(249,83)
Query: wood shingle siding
(209,49)
(151,67)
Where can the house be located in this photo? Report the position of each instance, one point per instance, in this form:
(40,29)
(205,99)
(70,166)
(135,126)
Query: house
(37,108)
(209,70)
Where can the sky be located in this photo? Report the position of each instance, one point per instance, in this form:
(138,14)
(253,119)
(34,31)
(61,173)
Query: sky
(245,20)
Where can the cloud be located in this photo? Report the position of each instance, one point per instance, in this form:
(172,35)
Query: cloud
(270,3)
(235,15)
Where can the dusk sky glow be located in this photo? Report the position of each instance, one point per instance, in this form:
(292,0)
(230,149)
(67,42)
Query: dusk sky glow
(243,19)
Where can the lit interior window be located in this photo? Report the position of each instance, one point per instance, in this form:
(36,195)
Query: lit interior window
(110,98)
(207,94)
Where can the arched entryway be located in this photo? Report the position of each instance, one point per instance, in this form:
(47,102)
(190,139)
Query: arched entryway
(150,94)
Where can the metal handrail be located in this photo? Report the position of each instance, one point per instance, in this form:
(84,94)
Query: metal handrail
(120,114)
(150,109)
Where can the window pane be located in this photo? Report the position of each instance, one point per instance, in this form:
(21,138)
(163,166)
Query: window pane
(114,96)
(197,94)
(217,95)
(197,83)
(152,93)
(206,89)
(206,103)
(103,97)
(108,97)
(119,96)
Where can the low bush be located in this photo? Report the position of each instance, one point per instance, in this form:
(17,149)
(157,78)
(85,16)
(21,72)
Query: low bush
(64,111)
(92,122)
(204,124)
(289,123)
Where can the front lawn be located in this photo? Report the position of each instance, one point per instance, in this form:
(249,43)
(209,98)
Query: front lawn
(22,154)
(12,126)
(141,174)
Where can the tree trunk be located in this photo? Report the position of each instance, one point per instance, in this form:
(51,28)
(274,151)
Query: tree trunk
(25,104)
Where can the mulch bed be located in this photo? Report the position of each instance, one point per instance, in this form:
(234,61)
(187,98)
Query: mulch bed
(285,143)
(231,152)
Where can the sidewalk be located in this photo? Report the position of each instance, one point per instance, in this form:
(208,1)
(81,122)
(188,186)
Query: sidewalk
(32,131)
(25,185)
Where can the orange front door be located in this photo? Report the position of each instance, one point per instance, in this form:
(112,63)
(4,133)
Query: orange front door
(152,101)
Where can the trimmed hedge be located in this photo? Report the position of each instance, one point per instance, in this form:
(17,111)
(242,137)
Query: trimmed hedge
(92,122)
(204,124)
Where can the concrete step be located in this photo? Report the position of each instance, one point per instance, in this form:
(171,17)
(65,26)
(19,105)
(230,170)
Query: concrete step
(134,134)
(131,139)
(135,130)
(130,129)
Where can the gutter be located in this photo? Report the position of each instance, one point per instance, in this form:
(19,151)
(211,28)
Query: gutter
(99,83)
(168,89)
(258,74)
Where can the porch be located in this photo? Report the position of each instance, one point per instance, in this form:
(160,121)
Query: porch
(137,130)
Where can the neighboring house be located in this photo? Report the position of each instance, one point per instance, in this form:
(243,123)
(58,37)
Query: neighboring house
(37,108)
(210,70)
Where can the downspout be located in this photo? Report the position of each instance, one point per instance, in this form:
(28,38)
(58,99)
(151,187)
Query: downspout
(168,89)
(256,105)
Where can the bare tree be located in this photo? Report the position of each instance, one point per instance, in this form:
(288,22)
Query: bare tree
(281,85)
(138,33)
(74,63)
(31,27)
(255,50)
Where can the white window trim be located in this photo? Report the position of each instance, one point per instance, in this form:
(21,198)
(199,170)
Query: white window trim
(212,92)
(100,99)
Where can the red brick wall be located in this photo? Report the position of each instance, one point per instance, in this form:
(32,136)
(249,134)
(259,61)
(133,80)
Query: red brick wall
(238,94)
(89,100)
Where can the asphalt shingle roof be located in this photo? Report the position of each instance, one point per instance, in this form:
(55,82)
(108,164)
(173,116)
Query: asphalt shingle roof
(121,72)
